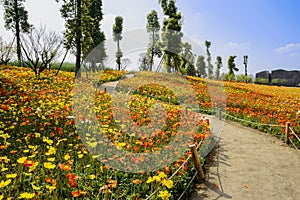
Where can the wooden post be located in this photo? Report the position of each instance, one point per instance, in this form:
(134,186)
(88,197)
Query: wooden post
(287,133)
(220,114)
(170,99)
(104,90)
(197,162)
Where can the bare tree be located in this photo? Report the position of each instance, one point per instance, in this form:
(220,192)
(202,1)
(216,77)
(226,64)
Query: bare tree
(6,51)
(40,48)
(125,62)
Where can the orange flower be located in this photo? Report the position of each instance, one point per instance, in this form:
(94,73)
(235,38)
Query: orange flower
(71,176)
(76,193)
(65,167)
(112,183)
(28,163)
(136,181)
(72,183)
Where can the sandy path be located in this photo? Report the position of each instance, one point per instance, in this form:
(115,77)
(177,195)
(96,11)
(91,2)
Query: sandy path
(251,165)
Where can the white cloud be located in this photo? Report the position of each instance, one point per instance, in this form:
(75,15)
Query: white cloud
(291,48)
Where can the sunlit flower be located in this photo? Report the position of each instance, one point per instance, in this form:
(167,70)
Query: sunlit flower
(21,160)
(35,187)
(64,167)
(67,156)
(11,175)
(26,195)
(92,176)
(49,165)
(167,182)
(50,188)
(5,183)
(164,195)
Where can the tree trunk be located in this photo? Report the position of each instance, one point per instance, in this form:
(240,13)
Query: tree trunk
(17,27)
(78,40)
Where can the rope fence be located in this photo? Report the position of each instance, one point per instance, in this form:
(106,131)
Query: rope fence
(198,166)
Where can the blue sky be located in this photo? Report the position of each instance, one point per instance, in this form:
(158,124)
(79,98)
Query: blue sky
(268,31)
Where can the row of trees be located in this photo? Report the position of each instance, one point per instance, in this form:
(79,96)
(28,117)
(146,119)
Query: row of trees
(83,33)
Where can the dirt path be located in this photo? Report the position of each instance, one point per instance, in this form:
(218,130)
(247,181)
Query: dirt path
(251,165)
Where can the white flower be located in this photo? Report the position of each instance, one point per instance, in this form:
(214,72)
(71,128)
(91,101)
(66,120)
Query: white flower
(298,113)
(70,117)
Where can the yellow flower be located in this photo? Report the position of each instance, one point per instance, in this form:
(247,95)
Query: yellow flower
(33,166)
(80,155)
(164,195)
(162,175)
(50,188)
(11,175)
(26,195)
(92,176)
(156,178)
(5,159)
(22,160)
(48,141)
(67,156)
(51,150)
(49,165)
(35,187)
(5,183)
(37,135)
(51,159)
(150,179)
(168,183)
(1,197)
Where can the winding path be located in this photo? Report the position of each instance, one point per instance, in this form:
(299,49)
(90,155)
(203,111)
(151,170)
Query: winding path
(251,165)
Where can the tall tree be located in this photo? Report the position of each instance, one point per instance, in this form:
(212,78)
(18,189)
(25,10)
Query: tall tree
(246,64)
(79,26)
(16,20)
(153,28)
(201,67)
(209,65)
(219,64)
(171,34)
(187,57)
(231,66)
(97,55)
(117,34)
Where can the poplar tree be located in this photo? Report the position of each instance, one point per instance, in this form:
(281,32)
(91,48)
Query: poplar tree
(171,34)
(218,66)
(117,35)
(153,28)
(16,20)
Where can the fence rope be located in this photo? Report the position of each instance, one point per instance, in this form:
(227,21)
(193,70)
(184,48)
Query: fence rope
(293,132)
(188,185)
(181,166)
(294,145)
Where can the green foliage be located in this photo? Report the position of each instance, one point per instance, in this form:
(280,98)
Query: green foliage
(190,70)
(16,20)
(231,66)
(153,28)
(117,34)
(243,78)
(262,81)
(201,66)
(278,81)
(219,64)
(187,58)
(229,77)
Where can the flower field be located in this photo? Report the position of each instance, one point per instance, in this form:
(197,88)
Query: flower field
(45,155)
(42,156)
(256,103)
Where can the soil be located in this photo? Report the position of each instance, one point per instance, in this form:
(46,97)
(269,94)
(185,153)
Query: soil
(251,165)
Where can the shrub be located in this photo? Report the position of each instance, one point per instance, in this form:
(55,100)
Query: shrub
(243,78)
(262,81)
(278,81)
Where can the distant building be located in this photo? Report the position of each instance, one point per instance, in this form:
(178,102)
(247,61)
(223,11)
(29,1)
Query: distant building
(290,78)
(264,74)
